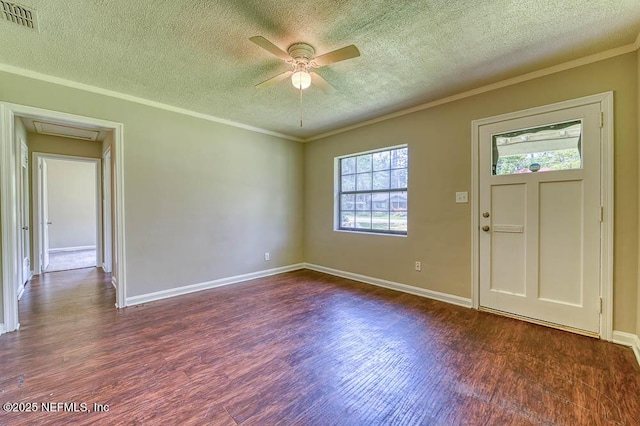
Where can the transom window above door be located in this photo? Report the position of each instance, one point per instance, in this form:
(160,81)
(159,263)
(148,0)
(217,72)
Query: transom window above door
(539,149)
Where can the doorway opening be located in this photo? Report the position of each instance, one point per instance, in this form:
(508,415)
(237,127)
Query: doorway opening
(67,218)
(21,215)
(542,215)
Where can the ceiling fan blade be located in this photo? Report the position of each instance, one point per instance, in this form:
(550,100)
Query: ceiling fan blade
(323,84)
(337,56)
(275,79)
(270,47)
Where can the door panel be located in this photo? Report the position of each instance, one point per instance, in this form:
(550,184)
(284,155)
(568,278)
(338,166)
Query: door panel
(560,245)
(540,239)
(26,236)
(508,247)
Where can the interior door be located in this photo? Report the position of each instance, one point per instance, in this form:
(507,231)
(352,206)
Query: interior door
(540,207)
(26,237)
(44,205)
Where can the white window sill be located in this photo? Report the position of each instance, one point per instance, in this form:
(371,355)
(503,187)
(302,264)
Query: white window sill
(370,233)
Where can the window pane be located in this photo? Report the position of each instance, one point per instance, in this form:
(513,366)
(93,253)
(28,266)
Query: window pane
(380,221)
(399,178)
(398,201)
(373,194)
(380,201)
(539,149)
(348,219)
(381,180)
(349,183)
(363,202)
(381,160)
(399,158)
(364,163)
(363,182)
(348,202)
(398,221)
(363,220)
(348,166)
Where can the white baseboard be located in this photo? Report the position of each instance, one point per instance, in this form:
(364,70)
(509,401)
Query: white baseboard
(104,268)
(3,329)
(628,339)
(430,294)
(149,297)
(20,291)
(61,249)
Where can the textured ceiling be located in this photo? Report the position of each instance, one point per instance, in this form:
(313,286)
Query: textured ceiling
(196,54)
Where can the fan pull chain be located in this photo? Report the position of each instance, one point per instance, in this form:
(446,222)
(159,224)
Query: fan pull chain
(300,88)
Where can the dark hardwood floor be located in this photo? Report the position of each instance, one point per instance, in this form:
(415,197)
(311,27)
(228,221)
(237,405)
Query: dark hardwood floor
(302,348)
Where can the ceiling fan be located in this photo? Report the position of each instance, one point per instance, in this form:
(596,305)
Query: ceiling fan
(302,60)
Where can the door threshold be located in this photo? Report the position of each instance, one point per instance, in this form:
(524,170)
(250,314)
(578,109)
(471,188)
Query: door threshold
(540,322)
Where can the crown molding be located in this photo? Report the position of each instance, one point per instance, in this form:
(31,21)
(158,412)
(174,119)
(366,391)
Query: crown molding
(607,54)
(147,102)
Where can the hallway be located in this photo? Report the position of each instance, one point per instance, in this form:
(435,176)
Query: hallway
(67,260)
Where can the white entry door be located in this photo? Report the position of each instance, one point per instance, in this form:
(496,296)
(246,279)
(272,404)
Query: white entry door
(541,214)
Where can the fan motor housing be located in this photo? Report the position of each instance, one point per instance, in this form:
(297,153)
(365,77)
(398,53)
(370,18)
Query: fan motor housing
(301,50)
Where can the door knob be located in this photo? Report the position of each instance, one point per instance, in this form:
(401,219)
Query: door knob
(49,223)
(25,228)
(485,214)
(486,228)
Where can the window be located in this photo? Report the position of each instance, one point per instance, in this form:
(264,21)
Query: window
(372,192)
(540,149)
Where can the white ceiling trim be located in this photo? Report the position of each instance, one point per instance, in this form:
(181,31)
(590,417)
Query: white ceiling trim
(622,50)
(111,93)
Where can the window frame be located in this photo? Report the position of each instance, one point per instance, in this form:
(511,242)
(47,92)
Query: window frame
(338,192)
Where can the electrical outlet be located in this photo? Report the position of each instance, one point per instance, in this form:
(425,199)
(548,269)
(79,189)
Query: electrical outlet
(462,197)
(266,257)
(418,266)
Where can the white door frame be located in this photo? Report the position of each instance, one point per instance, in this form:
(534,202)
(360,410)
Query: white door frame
(38,218)
(106,210)
(41,235)
(606,198)
(9,205)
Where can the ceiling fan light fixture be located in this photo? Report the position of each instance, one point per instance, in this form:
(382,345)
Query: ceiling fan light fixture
(301,80)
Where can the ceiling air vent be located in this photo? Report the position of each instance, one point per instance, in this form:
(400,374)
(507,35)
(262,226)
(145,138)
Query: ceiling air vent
(55,129)
(19,15)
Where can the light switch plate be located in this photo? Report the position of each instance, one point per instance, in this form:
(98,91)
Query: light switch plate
(462,197)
